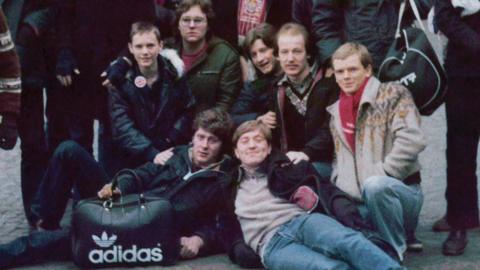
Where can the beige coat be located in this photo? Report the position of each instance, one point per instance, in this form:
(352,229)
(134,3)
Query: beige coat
(388,137)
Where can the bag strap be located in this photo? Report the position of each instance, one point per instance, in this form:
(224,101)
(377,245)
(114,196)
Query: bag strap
(138,181)
(401,11)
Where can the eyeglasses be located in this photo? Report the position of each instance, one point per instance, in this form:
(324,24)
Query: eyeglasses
(188,21)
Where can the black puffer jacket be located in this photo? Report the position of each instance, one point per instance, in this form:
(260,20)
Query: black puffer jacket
(197,203)
(147,121)
(253,100)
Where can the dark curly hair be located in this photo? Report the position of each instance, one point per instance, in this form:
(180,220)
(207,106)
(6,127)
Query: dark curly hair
(216,121)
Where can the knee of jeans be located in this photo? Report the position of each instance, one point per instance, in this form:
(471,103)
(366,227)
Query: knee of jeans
(376,187)
(67,148)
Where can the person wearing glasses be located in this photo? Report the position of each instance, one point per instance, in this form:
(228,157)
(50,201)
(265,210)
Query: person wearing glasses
(212,65)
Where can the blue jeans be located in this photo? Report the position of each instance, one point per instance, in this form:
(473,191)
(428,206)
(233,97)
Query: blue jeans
(392,208)
(317,241)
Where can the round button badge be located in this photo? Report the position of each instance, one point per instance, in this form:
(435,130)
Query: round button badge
(140,81)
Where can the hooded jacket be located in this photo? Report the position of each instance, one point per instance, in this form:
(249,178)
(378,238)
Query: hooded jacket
(146,121)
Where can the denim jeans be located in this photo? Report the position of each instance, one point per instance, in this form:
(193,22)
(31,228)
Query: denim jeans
(392,208)
(317,241)
(71,166)
(36,247)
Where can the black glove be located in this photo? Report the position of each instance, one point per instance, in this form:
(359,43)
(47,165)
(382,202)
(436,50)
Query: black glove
(8,131)
(116,72)
(244,256)
(66,63)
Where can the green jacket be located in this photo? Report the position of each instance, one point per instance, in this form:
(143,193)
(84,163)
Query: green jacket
(215,79)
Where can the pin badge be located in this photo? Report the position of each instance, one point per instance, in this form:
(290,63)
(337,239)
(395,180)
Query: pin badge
(140,81)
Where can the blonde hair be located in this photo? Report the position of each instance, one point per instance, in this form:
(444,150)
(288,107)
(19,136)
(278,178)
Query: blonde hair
(351,48)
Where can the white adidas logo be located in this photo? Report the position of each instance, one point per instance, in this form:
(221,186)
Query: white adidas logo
(116,254)
(104,241)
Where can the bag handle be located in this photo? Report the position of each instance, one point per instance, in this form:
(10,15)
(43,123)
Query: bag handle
(401,11)
(141,197)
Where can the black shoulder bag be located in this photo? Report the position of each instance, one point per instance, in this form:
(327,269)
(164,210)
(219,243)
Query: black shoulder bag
(130,230)
(412,61)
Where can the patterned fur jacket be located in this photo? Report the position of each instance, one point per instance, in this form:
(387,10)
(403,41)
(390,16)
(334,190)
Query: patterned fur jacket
(388,138)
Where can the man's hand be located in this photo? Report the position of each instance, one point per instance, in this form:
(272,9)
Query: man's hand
(106,192)
(162,157)
(296,157)
(66,67)
(190,246)
(114,75)
(67,79)
(269,119)
(329,72)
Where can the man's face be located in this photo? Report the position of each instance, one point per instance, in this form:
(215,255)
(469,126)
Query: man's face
(206,148)
(350,74)
(193,25)
(293,56)
(145,47)
(262,57)
(252,149)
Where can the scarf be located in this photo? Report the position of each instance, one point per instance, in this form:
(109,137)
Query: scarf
(348,113)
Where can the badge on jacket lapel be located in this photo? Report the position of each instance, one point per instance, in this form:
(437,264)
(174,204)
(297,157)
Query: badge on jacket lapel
(140,81)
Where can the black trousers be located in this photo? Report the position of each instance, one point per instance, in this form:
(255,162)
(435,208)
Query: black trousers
(71,166)
(463,130)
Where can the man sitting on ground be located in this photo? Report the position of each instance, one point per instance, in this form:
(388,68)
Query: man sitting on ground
(377,136)
(200,200)
(273,204)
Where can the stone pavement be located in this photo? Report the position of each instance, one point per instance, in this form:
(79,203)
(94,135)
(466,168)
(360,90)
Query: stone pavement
(12,221)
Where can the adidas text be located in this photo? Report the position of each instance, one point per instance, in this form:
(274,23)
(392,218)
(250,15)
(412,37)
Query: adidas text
(117,255)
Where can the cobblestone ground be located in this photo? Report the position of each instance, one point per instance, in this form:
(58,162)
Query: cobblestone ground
(12,221)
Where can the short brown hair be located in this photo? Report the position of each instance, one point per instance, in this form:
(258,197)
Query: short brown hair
(293,29)
(351,48)
(265,32)
(205,6)
(216,121)
(144,27)
(249,126)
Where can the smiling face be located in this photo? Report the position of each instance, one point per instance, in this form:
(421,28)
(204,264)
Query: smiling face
(350,74)
(292,54)
(145,48)
(252,149)
(262,57)
(206,148)
(193,25)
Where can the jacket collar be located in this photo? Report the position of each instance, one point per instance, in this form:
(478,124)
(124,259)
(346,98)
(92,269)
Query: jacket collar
(368,99)
(185,152)
(169,63)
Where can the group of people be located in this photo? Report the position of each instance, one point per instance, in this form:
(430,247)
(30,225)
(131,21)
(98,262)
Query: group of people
(297,157)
